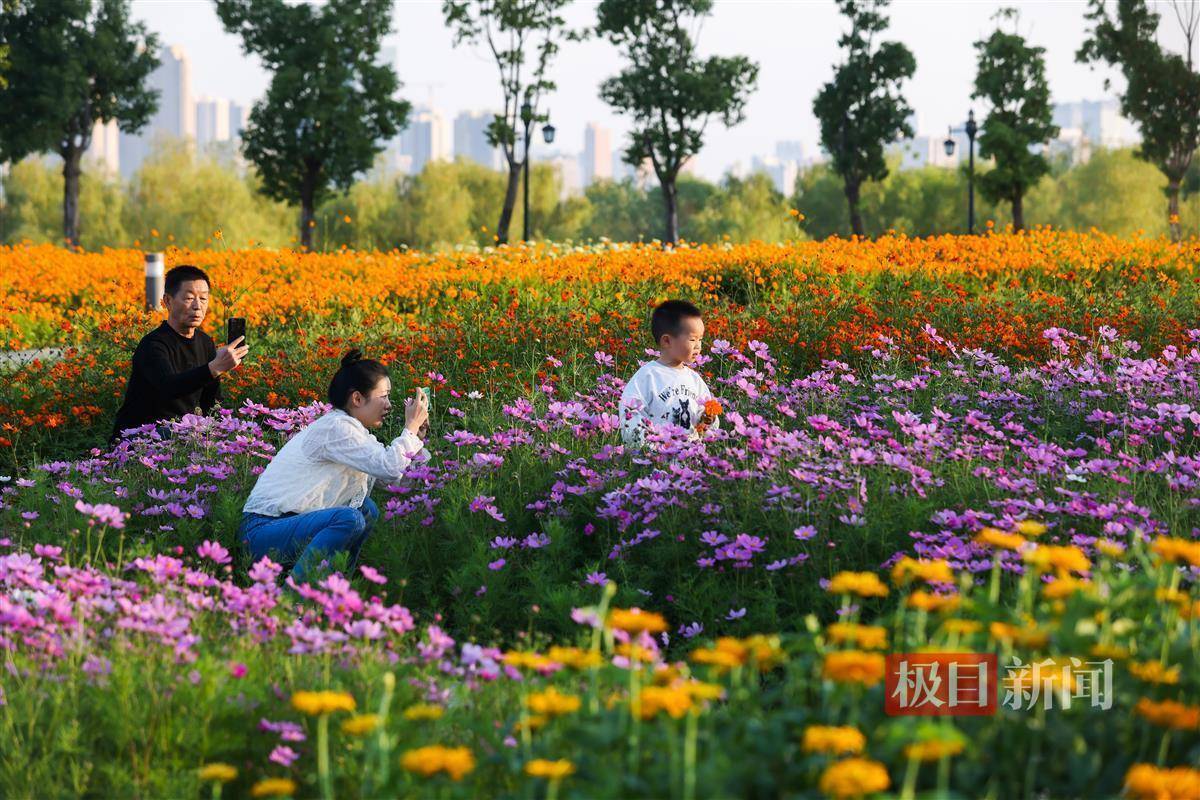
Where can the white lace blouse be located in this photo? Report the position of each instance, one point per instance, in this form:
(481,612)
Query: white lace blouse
(333,462)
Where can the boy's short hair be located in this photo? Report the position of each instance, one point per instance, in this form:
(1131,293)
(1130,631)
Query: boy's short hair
(177,276)
(668,317)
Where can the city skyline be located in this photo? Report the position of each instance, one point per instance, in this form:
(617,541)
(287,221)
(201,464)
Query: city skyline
(792,66)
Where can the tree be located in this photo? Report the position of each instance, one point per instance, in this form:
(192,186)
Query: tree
(667,89)
(1162,92)
(514,30)
(861,109)
(1012,79)
(330,106)
(744,209)
(71,64)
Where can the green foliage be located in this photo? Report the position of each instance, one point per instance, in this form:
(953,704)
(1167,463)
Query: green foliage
(190,196)
(861,110)
(667,89)
(515,31)
(1012,79)
(1162,89)
(71,64)
(742,210)
(330,104)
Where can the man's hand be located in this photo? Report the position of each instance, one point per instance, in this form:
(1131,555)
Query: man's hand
(228,357)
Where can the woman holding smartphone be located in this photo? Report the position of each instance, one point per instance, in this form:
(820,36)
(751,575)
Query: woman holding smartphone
(313,499)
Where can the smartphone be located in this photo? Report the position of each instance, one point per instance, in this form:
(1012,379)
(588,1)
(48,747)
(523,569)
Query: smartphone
(425,390)
(237,327)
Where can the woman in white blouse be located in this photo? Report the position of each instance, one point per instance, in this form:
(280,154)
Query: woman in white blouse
(313,499)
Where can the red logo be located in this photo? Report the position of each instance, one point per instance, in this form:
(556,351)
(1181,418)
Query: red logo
(941,684)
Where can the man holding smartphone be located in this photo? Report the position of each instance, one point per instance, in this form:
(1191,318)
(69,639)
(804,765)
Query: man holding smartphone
(177,367)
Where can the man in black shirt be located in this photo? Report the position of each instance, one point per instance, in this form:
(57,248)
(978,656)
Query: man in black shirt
(176,367)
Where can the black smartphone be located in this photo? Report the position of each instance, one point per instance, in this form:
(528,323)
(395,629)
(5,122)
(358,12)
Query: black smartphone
(237,327)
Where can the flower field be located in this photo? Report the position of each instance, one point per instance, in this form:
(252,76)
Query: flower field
(981,446)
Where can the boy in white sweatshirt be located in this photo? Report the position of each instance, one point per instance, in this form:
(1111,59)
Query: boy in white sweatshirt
(667,391)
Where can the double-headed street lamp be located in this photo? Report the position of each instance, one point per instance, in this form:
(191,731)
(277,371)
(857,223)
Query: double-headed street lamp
(970,129)
(548,135)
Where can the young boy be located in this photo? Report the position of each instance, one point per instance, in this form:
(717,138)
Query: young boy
(667,390)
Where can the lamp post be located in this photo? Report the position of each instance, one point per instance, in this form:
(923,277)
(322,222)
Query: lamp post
(970,129)
(548,135)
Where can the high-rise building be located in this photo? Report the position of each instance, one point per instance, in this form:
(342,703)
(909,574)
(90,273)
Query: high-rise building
(212,121)
(105,149)
(176,115)
(782,173)
(471,141)
(426,139)
(567,167)
(238,115)
(1100,122)
(597,160)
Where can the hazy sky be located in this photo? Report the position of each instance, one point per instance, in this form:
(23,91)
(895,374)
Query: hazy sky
(793,41)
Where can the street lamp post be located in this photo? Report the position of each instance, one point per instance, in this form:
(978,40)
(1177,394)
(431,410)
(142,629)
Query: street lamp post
(548,135)
(970,129)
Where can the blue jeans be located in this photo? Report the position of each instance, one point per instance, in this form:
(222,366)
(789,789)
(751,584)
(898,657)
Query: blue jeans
(304,540)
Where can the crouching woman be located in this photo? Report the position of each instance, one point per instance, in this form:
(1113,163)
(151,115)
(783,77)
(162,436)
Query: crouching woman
(313,500)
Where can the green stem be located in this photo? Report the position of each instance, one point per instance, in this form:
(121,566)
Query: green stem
(908,792)
(323,757)
(689,755)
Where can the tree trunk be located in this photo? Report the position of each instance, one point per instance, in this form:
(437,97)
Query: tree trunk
(71,157)
(510,200)
(1173,209)
(307,212)
(852,197)
(1018,204)
(671,209)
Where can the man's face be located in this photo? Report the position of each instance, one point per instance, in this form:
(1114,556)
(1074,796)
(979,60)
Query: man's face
(371,409)
(189,305)
(684,346)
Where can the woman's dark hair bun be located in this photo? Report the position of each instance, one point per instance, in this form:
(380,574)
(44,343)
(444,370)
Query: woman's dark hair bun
(352,357)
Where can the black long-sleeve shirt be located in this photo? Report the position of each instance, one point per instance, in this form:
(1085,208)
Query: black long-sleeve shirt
(169,378)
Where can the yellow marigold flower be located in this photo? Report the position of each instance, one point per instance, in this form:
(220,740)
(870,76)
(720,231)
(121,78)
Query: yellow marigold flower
(1154,672)
(551,770)
(1064,587)
(716,657)
(833,740)
(1169,714)
(990,537)
(1025,637)
(933,750)
(1063,558)
(863,584)
(1029,527)
(274,787)
(1176,550)
(635,620)
(432,759)
(574,657)
(963,627)
(1172,596)
(854,777)
(867,637)
(1191,611)
(910,569)
(635,652)
(346,219)
(424,712)
(524,660)
(1148,782)
(552,703)
(218,772)
(765,650)
(1110,548)
(674,701)
(1115,652)
(360,724)
(699,690)
(854,666)
(318,703)
(933,603)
